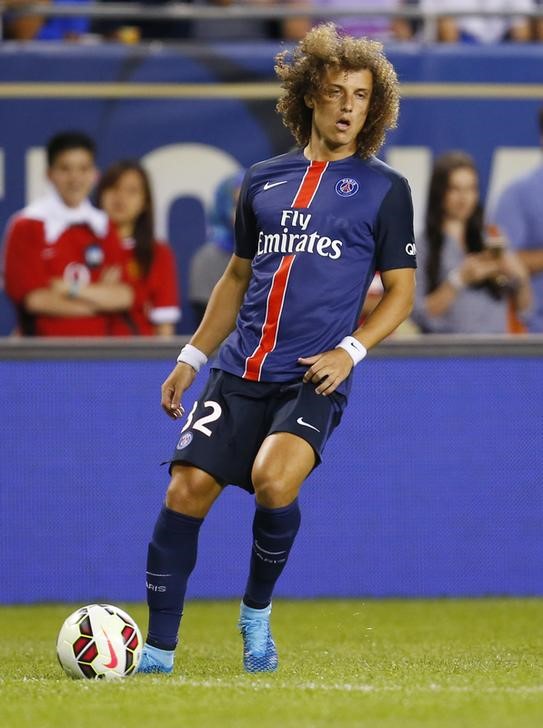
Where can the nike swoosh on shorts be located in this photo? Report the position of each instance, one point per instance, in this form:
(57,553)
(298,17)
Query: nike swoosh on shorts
(300,421)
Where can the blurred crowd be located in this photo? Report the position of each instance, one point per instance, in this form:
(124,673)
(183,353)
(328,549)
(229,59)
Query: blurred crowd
(73,267)
(519,28)
(98,270)
(478,271)
(76,267)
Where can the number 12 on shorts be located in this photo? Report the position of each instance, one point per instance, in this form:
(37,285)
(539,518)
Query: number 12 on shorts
(201,422)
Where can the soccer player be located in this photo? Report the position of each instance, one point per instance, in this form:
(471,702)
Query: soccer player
(63,259)
(312,226)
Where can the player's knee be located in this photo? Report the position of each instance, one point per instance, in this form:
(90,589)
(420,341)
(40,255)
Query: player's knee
(190,491)
(273,491)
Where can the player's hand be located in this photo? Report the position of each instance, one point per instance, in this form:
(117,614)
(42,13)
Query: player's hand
(172,390)
(327,370)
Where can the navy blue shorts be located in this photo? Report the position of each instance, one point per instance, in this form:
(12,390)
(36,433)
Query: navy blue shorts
(227,425)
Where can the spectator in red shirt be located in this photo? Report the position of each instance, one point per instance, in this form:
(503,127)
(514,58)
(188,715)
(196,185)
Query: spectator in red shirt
(63,259)
(124,193)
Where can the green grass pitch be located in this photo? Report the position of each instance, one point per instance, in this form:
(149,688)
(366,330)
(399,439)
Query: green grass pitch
(389,664)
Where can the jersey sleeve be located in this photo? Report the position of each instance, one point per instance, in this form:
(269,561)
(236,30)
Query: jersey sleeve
(245,225)
(24,269)
(393,230)
(164,303)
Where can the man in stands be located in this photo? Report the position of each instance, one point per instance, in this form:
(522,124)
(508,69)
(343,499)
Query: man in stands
(63,259)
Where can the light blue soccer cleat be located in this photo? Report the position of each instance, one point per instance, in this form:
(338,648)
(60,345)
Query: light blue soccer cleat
(155,661)
(259,652)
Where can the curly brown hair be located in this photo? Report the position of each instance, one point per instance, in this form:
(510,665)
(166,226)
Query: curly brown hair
(301,74)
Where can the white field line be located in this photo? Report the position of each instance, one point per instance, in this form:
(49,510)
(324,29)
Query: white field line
(258,684)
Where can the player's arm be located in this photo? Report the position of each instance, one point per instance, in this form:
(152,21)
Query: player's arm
(393,308)
(329,369)
(222,309)
(219,321)
(395,258)
(224,304)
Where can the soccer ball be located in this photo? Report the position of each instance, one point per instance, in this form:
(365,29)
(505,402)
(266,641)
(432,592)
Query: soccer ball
(99,641)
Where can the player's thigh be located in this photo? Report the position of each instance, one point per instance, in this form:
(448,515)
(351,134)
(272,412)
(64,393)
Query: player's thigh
(225,429)
(191,491)
(302,412)
(283,462)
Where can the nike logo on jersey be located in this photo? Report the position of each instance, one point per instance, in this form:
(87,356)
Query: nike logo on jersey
(300,421)
(269,185)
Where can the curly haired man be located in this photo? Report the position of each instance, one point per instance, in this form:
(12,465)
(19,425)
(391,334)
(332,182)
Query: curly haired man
(312,226)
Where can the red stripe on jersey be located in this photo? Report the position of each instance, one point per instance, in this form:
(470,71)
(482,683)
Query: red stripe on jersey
(274,308)
(310,184)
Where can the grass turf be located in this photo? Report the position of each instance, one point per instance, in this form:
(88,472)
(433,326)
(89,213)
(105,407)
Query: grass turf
(391,664)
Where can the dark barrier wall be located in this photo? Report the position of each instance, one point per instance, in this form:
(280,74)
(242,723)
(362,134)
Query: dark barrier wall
(432,486)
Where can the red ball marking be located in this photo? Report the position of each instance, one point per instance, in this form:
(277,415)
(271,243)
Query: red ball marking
(80,644)
(90,653)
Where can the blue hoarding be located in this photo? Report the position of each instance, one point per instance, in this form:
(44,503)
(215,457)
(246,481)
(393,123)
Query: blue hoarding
(430,487)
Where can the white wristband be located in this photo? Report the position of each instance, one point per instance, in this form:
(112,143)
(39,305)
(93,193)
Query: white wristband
(354,348)
(192,356)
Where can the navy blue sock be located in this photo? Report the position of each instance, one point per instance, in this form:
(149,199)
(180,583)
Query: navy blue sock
(274,531)
(170,560)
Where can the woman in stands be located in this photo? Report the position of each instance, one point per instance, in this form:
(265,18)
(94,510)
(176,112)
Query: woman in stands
(124,193)
(466,276)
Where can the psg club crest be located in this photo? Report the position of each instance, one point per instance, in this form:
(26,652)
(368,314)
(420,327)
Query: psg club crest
(347,187)
(184,440)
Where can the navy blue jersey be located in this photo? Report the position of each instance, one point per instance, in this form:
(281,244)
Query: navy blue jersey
(316,232)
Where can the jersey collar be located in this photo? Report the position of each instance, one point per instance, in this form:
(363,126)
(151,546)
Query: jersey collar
(58,217)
